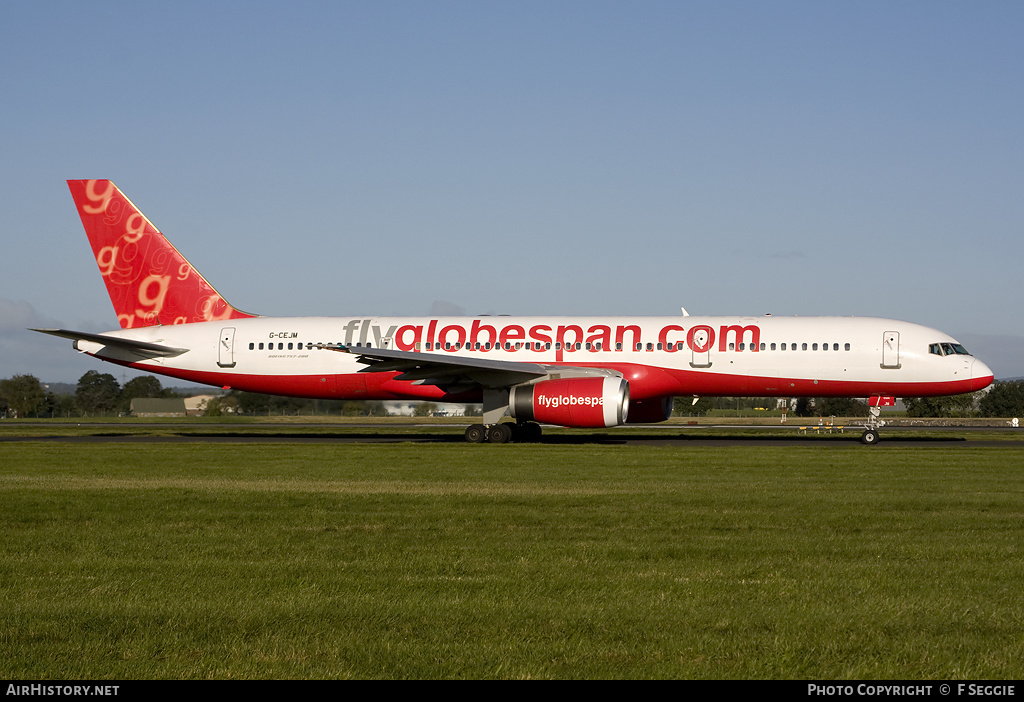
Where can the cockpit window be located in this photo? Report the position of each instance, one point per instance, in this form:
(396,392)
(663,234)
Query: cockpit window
(947,349)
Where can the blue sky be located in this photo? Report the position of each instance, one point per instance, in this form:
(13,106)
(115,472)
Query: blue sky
(355,158)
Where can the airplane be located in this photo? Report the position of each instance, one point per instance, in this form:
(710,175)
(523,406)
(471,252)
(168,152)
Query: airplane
(565,371)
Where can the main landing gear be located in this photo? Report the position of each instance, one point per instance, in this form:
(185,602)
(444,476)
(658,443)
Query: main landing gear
(493,430)
(504,432)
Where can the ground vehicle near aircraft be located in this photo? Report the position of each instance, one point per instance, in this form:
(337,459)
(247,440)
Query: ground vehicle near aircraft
(568,371)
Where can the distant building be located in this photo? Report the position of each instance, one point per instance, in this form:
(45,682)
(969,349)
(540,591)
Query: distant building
(195,406)
(406,408)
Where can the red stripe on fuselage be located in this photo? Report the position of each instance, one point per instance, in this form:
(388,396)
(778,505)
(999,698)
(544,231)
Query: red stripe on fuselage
(645,382)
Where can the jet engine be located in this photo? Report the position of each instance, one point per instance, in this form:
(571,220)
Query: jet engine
(572,402)
(657,409)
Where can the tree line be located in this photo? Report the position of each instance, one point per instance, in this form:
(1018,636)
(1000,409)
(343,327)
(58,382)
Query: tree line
(1003,399)
(99,394)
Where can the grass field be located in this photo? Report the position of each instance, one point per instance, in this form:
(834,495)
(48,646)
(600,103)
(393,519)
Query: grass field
(282,560)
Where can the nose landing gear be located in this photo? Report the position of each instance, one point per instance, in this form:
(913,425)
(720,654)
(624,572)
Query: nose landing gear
(870,436)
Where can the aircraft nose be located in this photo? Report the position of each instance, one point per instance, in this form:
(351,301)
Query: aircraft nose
(981,374)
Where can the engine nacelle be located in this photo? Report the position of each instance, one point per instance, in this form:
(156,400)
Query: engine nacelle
(572,402)
(656,409)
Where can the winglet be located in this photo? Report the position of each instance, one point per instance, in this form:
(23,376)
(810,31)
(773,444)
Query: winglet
(148,280)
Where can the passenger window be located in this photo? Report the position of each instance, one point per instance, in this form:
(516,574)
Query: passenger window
(251,346)
(804,346)
(618,346)
(847,345)
(773,346)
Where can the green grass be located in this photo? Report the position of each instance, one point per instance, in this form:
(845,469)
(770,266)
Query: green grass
(278,560)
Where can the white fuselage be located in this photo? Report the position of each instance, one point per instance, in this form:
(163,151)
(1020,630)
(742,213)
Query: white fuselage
(658,356)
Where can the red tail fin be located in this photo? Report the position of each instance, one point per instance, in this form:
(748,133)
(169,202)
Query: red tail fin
(149,282)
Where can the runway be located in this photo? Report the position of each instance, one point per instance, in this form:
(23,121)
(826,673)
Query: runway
(666,435)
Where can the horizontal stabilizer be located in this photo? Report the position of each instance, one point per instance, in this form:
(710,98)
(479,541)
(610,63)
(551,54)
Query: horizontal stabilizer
(142,349)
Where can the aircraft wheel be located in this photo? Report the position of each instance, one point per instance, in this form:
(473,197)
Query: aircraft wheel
(476,433)
(530,431)
(869,437)
(499,433)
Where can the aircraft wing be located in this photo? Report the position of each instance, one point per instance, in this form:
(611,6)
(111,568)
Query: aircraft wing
(142,349)
(452,372)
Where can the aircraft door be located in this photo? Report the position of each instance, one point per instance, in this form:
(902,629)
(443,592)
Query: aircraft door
(226,348)
(700,347)
(891,349)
